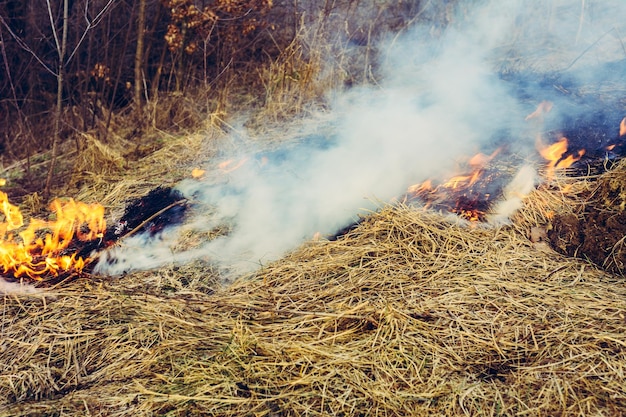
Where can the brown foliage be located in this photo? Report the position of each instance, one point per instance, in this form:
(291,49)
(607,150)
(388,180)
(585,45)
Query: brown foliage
(226,22)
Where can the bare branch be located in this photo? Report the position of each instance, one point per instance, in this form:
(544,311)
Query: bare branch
(90,25)
(25,47)
(8,70)
(54,29)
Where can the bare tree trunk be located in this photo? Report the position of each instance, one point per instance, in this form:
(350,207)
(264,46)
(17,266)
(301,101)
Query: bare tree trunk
(116,84)
(59,110)
(156,80)
(141,23)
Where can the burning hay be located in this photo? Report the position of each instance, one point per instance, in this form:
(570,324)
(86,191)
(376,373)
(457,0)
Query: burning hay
(49,249)
(59,249)
(408,314)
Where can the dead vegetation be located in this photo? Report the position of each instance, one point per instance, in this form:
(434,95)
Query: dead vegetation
(410,313)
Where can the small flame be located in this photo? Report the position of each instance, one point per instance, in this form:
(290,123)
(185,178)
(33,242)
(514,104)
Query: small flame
(42,247)
(458,189)
(472,215)
(476,165)
(480,160)
(543,108)
(468,195)
(197,173)
(554,155)
(424,187)
(231,165)
(462,181)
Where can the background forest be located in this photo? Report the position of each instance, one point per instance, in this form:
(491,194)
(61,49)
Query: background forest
(80,72)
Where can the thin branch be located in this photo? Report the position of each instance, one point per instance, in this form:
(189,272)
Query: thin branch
(90,25)
(587,49)
(53,26)
(25,47)
(154,216)
(8,70)
(619,37)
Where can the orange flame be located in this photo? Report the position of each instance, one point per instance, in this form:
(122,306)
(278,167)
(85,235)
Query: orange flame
(421,188)
(543,108)
(197,173)
(462,180)
(38,250)
(448,193)
(476,164)
(455,187)
(231,165)
(480,160)
(554,155)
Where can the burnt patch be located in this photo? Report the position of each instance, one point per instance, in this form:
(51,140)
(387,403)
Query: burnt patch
(152,213)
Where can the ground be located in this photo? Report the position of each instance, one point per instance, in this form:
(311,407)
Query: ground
(598,230)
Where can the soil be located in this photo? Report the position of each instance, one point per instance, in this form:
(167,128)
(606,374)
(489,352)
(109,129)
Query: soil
(598,232)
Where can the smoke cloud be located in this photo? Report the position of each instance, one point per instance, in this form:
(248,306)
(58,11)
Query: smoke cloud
(17,288)
(439,97)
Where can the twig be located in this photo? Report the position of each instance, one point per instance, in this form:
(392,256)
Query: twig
(158,213)
(136,229)
(580,22)
(24,161)
(587,49)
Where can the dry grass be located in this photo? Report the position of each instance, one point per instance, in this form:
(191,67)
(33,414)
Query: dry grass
(112,180)
(409,314)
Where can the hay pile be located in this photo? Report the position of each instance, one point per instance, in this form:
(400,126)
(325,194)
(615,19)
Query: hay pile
(408,314)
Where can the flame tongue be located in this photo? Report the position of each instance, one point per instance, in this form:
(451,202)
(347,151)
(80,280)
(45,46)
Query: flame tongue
(557,156)
(44,247)
(468,195)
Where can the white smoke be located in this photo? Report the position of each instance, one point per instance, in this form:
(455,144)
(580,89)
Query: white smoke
(17,288)
(439,98)
(513,195)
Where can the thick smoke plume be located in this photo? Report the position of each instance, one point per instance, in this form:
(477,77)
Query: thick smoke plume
(440,96)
